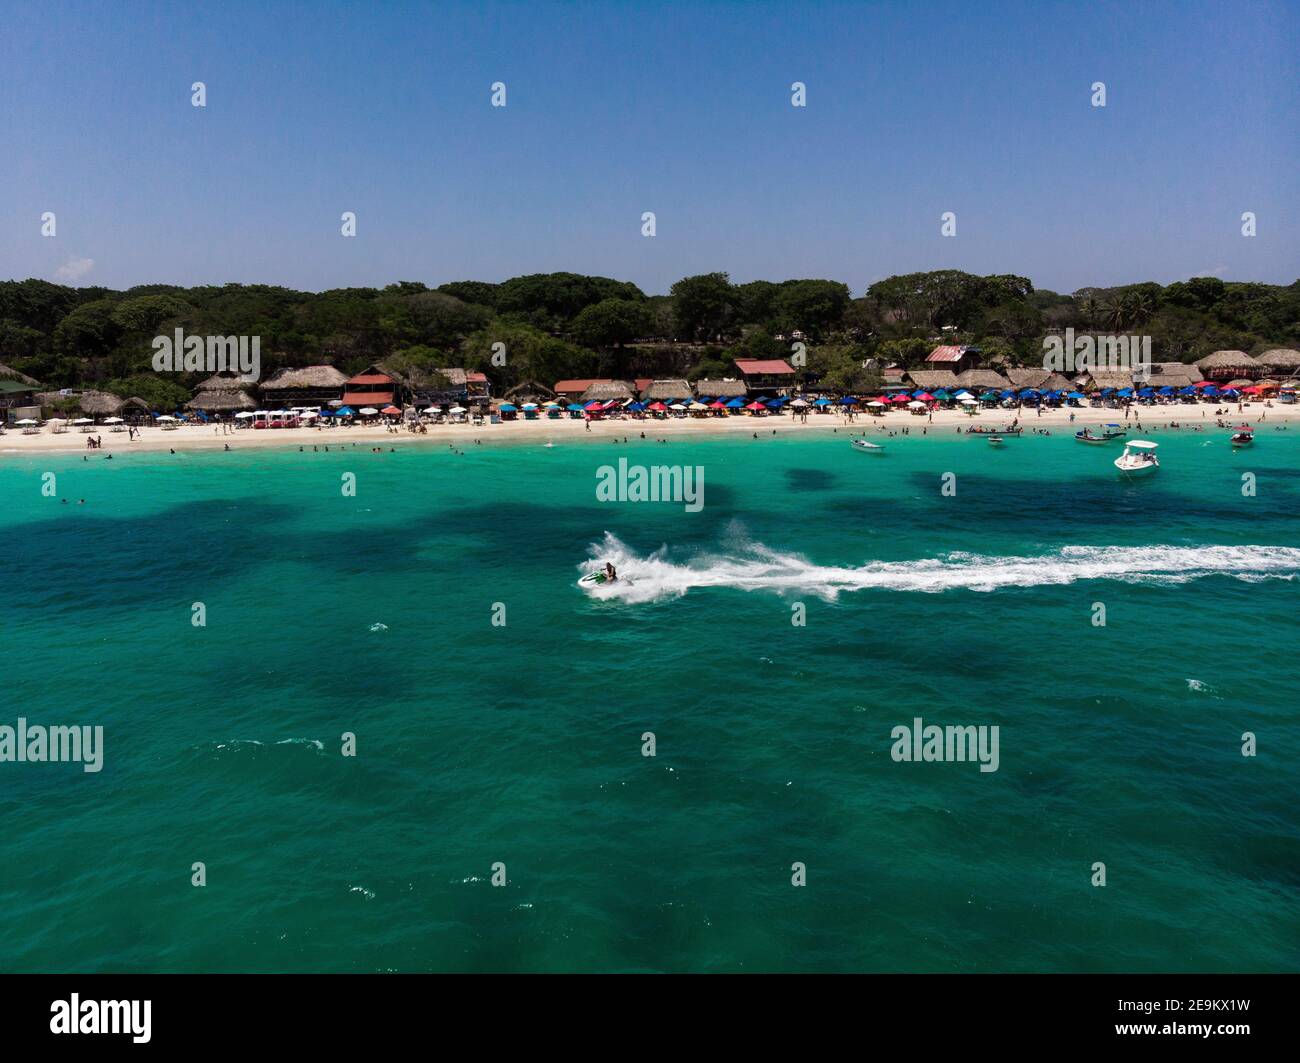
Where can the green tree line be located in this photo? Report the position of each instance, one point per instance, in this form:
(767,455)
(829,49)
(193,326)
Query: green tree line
(557,325)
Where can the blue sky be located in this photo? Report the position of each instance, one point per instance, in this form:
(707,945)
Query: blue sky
(614,109)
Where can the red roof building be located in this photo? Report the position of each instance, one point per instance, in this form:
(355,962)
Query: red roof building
(956,359)
(766,375)
(374,387)
(574,389)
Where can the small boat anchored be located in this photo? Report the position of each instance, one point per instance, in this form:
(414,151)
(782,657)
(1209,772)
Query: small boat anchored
(1139,458)
(1107,433)
(871,448)
(996,441)
(1242,436)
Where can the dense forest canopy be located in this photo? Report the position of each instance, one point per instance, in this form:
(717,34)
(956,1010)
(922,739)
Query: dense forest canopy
(557,325)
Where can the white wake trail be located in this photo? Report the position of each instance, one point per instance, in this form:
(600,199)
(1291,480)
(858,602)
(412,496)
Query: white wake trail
(755,567)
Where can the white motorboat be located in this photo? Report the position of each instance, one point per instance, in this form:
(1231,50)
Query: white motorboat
(862,444)
(1139,458)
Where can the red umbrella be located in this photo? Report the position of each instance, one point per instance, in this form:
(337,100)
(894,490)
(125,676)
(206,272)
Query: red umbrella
(900,398)
(1204,384)
(925,396)
(390,411)
(756,406)
(1252,390)
(717,405)
(658,406)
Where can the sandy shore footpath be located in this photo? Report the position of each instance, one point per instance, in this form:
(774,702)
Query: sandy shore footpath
(206,437)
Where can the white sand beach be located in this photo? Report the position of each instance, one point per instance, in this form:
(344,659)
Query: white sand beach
(1056,421)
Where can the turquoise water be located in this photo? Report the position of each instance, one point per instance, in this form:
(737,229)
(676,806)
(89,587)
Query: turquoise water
(522,743)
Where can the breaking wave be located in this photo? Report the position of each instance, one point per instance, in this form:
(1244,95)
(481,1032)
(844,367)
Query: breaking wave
(755,567)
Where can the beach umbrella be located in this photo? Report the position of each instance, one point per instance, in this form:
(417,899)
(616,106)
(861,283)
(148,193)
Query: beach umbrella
(698,406)
(113,420)
(549,404)
(822,402)
(1146,393)
(344,411)
(968,401)
(390,411)
(459,409)
(941,395)
(917,404)
(735,404)
(83,420)
(25,421)
(1125,393)
(529,406)
(756,406)
(1252,390)
(677,406)
(1166,390)
(575,407)
(963,395)
(166,417)
(801,403)
(1203,384)
(719,405)
(506,407)
(924,396)
(657,407)
(875,402)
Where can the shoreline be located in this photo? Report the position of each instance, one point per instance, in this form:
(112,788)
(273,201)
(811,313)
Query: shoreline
(944,422)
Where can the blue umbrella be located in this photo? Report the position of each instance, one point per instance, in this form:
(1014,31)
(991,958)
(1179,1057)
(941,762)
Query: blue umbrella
(506,407)
(848,400)
(1008,394)
(1125,393)
(735,404)
(1075,395)
(822,402)
(327,413)
(1166,390)
(344,411)
(1146,393)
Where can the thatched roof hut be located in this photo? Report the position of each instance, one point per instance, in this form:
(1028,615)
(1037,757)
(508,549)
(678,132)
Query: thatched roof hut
(933,379)
(611,389)
(225,382)
(1096,379)
(99,404)
(134,405)
(1280,361)
(309,376)
(1223,364)
(667,391)
(215,401)
(721,389)
(529,391)
(8,373)
(1029,378)
(981,378)
(222,393)
(1174,375)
